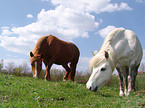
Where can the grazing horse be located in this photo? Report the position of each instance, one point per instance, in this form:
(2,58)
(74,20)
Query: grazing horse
(50,49)
(121,50)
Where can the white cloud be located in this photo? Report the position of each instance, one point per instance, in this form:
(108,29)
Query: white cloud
(6,31)
(116,7)
(70,25)
(69,20)
(104,32)
(30,16)
(97,6)
(5,27)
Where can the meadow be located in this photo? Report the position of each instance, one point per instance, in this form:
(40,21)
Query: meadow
(26,92)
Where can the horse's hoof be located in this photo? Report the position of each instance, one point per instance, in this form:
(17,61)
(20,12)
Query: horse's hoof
(64,79)
(47,79)
(121,94)
(127,94)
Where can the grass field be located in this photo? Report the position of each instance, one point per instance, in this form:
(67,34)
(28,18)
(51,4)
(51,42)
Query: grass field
(26,92)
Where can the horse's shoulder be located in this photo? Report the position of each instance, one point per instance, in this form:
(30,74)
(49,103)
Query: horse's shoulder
(52,37)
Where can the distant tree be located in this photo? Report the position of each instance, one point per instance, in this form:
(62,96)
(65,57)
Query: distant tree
(25,67)
(19,70)
(10,67)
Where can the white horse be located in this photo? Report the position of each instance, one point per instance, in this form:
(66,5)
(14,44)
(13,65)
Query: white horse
(121,50)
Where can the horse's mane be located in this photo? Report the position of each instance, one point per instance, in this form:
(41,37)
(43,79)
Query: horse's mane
(37,48)
(38,44)
(109,41)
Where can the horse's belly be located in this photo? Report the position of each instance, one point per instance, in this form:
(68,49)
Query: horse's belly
(62,61)
(124,62)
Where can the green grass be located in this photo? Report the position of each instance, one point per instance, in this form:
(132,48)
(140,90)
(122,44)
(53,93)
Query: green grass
(26,92)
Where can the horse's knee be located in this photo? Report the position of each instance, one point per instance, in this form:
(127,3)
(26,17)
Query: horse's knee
(129,78)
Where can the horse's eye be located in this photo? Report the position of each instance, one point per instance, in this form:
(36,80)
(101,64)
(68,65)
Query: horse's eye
(103,69)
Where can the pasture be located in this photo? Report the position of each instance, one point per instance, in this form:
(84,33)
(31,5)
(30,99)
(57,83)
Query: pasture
(26,92)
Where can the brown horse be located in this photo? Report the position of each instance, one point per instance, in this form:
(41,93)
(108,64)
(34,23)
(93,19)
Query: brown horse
(50,49)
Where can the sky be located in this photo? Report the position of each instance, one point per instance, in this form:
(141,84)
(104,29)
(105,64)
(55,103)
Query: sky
(86,23)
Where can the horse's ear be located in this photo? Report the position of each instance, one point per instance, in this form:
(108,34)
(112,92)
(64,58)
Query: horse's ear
(93,53)
(106,55)
(31,54)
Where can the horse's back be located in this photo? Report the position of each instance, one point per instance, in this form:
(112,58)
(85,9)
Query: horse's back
(130,47)
(60,45)
(62,51)
(133,40)
(135,46)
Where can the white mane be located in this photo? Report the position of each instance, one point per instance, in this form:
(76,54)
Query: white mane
(109,42)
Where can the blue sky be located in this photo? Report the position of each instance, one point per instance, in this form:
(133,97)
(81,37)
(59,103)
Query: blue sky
(84,22)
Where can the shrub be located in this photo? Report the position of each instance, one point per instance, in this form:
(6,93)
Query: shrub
(10,68)
(57,75)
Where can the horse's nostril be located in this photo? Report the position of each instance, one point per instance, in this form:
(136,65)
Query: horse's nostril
(90,88)
(96,89)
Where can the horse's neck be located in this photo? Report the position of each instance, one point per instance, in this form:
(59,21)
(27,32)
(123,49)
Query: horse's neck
(113,61)
(36,50)
(114,47)
(112,56)
(116,53)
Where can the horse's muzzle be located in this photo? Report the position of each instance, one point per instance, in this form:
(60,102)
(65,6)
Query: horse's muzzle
(95,90)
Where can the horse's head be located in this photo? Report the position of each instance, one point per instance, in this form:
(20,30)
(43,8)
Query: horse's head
(101,73)
(36,64)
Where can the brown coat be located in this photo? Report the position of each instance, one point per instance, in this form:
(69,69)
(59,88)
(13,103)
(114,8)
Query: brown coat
(53,50)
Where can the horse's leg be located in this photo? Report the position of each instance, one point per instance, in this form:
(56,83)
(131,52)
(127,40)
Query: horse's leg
(38,74)
(47,76)
(48,66)
(132,77)
(67,72)
(73,71)
(125,79)
(120,81)
(39,70)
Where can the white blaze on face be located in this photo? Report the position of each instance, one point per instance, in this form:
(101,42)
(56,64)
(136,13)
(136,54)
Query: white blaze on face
(35,70)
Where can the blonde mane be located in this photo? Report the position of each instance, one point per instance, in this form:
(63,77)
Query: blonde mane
(108,44)
(36,48)
(38,44)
